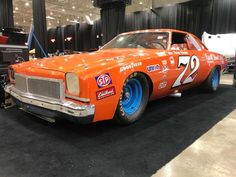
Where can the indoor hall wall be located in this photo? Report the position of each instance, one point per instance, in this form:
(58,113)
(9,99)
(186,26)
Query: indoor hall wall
(79,37)
(197,16)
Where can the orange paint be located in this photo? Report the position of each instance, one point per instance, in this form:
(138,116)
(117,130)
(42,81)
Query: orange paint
(161,66)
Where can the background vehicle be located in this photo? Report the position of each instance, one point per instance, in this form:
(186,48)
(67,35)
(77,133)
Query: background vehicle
(225,44)
(118,80)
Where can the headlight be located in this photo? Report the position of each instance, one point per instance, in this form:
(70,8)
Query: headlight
(72,82)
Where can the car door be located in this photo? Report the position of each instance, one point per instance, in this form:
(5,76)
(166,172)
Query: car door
(191,64)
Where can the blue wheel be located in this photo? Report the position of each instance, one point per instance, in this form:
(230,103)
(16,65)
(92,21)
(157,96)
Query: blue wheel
(133,99)
(211,84)
(132,96)
(215,79)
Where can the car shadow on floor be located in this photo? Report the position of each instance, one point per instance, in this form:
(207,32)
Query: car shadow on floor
(167,127)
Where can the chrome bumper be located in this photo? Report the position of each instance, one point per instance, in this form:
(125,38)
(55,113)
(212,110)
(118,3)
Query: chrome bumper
(65,107)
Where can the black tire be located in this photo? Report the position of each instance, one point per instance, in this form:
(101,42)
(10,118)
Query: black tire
(121,116)
(208,85)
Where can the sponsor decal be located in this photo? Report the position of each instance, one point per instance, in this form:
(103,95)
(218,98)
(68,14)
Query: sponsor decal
(209,57)
(170,53)
(176,52)
(130,66)
(164,78)
(161,54)
(115,58)
(172,60)
(103,80)
(105,93)
(162,85)
(164,62)
(153,68)
(187,62)
(184,53)
(165,68)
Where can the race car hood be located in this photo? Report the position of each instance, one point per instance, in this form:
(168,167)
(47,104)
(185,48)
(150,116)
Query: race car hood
(87,61)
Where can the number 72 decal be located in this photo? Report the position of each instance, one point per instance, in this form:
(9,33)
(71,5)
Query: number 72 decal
(187,61)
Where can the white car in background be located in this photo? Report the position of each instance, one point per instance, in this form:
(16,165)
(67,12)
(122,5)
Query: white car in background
(224,44)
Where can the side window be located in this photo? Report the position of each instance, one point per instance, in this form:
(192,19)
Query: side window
(192,43)
(178,41)
(200,42)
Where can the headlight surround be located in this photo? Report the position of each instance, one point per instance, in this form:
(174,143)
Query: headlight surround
(72,83)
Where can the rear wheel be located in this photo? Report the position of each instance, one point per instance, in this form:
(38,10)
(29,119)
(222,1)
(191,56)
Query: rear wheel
(133,99)
(212,82)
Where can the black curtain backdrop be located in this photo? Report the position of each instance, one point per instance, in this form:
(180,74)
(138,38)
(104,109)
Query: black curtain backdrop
(137,21)
(84,37)
(6,13)
(52,42)
(59,39)
(196,16)
(112,18)
(69,37)
(96,35)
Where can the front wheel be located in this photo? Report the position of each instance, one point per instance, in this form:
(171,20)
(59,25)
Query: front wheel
(212,82)
(133,99)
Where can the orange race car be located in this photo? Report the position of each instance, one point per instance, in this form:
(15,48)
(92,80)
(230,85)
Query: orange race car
(117,81)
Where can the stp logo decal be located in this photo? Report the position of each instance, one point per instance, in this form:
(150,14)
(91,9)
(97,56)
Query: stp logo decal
(103,80)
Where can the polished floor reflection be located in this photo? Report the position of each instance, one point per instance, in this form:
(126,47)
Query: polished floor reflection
(212,155)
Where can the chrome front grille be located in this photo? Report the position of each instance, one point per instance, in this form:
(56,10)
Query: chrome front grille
(21,83)
(50,88)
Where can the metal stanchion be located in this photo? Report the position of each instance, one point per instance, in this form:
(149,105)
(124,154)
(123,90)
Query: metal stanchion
(235,70)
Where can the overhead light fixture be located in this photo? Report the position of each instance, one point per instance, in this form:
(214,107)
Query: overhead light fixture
(90,15)
(73,7)
(140,2)
(68,39)
(51,13)
(67,19)
(49,17)
(78,17)
(17,23)
(89,20)
(53,40)
(16,8)
(26,4)
(63,10)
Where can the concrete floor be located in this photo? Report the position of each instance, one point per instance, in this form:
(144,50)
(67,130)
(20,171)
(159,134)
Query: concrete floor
(212,155)
(227,79)
(189,136)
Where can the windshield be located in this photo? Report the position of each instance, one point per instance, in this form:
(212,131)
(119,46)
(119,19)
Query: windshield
(152,40)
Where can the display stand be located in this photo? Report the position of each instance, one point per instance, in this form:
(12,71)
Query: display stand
(234,82)
(30,39)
